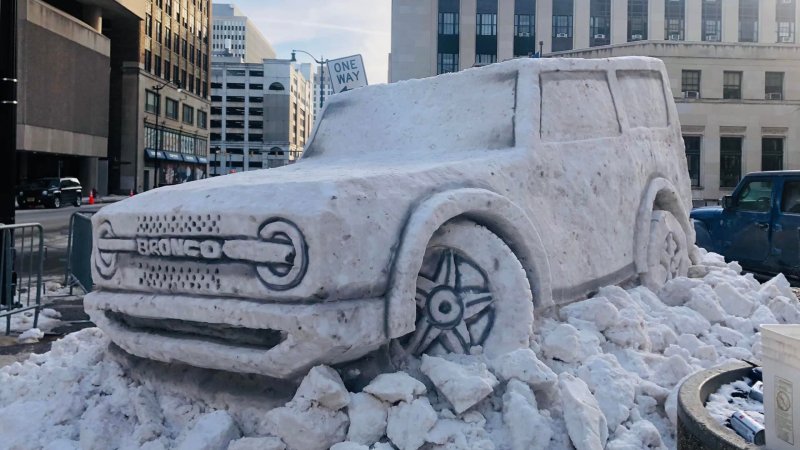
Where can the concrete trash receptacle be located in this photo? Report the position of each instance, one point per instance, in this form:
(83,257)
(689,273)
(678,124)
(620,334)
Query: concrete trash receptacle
(781,365)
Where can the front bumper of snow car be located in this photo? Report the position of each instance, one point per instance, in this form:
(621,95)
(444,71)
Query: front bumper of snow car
(274,339)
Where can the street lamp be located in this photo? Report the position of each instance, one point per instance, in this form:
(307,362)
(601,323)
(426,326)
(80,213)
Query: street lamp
(159,133)
(321,74)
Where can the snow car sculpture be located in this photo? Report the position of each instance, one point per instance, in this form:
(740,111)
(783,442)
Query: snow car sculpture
(438,213)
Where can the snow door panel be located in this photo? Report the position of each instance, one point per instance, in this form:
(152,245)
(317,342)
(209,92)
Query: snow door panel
(577,105)
(642,95)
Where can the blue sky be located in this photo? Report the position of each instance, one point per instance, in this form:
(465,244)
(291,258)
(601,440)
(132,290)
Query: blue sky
(325,28)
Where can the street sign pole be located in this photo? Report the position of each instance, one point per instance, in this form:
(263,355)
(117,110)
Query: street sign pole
(8,109)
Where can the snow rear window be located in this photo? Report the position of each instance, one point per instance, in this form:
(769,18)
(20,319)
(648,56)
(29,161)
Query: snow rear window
(577,105)
(642,94)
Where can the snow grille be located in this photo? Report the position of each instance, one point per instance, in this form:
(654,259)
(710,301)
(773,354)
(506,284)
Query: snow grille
(181,277)
(183,224)
(213,332)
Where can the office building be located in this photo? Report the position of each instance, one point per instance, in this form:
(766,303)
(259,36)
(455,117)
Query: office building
(733,65)
(235,35)
(261,115)
(320,95)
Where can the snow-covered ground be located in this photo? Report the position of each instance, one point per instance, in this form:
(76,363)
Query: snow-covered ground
(599,373)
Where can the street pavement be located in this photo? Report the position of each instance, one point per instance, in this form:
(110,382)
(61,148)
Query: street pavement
(55,223)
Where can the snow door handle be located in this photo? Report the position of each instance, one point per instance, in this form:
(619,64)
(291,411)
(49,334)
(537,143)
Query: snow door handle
(763,225)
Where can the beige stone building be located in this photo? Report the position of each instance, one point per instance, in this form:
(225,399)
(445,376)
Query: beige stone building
(262,114)
(734,65)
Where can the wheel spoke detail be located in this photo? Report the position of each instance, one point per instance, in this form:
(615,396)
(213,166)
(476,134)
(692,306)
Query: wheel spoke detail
(475,302)
(423,337)
(446,270)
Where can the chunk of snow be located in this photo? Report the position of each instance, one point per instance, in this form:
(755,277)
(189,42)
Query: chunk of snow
(367,418)
(395,387)
(324,386)
(686,320)
(523,365)
(642,434)
(527,427)
(611,385)
(257,443)
(728,336)
(463,385)
(409,423)
(677,292)
(661,336)
(586,424)
(598,310)
(785,310)
(566,343)
(51,313)
(303,426)
(732,301)
(780,284)
(705,301)
(347,445)
(629,331)
(763,316)
(696,271)
(212,431)
(31,336)
(382,446)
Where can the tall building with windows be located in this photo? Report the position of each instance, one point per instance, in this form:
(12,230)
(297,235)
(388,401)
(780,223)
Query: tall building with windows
(235,35)
(261,114)
(734,66)
(159,96)
(320,95)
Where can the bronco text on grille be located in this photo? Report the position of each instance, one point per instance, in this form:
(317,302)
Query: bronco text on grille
(192,248)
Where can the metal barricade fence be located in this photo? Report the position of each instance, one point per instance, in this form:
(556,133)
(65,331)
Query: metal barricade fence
(79,252)
(21,261)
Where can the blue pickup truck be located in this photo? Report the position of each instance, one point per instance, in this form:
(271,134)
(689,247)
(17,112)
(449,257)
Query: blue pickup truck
(758,225)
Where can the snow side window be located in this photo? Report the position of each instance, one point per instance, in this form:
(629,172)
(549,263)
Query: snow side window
(642,95)
(755,196)
(577,105)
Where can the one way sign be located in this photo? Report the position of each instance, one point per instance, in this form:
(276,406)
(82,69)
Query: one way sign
(347,73)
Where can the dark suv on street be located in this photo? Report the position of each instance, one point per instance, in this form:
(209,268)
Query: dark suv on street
(50,192)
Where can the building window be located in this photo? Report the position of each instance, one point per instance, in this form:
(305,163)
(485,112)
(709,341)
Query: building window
(730,161)
(175,73)
(188,114)
(786,32)
(158,31)
(524,25)
(184,47)
(257,86)
(712,20)
(151,102)
(562,26)
(255,137)
(183,78)
(772,153)
(600,23)
(148,61)
(732,85)
(483,59)
(216,98)
(191,53)
(148,25)
(167,38)
(157,68)
(256,73)
(674,19)
(216,85)
(177,43)
(447,62)
(171,109)
(276,86)
(448,23)
(216,110)
(235,85)
(167,70)
(191,84)
(690,82)
(235,99)
(236,72)
(202,119)
(748,20)
(487,24)
(692,144)
(256,99)
(773,86)
(256,124)
(785,21)
(637,20)
(256,111)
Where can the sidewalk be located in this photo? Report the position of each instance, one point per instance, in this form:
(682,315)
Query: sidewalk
(105,199)
(73,318)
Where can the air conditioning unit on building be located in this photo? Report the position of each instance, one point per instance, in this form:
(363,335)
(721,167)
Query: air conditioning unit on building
(562,35)
(787,39)
(775,96)
(691,94)
(636,37)
(674,37)
(599,36)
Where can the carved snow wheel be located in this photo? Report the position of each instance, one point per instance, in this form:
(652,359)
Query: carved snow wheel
(667,251)
(471,291)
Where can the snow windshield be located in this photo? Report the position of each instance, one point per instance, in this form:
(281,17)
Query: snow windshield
(450,113)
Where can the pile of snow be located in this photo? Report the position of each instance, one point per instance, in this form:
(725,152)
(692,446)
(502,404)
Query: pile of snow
(600,373)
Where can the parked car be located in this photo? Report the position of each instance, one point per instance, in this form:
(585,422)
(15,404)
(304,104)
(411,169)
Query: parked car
(758,225)
(50,192)
(433,214)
